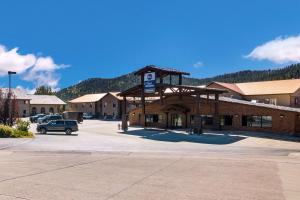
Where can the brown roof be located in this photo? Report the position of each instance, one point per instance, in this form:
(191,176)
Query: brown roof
(289,86)
(160,70)
(88,98)
(230,86)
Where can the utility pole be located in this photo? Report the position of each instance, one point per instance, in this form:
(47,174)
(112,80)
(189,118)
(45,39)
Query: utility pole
(9,96)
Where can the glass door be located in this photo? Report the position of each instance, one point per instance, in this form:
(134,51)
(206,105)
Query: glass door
(176,120)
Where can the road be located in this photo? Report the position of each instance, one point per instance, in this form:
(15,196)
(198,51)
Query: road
(102,163)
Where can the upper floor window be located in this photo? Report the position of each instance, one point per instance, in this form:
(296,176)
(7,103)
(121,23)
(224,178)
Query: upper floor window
(296,101)
(114,105)
(273,101)
(105,104)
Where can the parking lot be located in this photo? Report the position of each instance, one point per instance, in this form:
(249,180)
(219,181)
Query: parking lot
(101,162)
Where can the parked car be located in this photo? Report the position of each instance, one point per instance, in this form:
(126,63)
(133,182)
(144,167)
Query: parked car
(73,115)
(48,118)
(87,116)
(34,118)
(67,126)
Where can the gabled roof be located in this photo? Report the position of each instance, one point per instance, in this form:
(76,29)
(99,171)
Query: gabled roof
(115,94)
(45,100)
(270,87)
(159,70)
(289,86)
(88,98)
(19,93)
(230,86)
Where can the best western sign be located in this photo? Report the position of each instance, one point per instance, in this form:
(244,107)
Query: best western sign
(149,82)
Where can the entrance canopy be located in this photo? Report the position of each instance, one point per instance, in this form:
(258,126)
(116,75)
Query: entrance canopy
(169,90)
(153,85)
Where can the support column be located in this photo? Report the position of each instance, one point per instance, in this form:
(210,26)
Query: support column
(167,120)
(216,114)
(124,115)
(143,101)
(160,91)
(197,129)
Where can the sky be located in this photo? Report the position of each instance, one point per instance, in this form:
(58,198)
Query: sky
(62,42)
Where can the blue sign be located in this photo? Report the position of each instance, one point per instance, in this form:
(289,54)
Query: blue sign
(149,82)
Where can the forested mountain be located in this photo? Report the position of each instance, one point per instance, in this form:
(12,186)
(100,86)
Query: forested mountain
(98,85)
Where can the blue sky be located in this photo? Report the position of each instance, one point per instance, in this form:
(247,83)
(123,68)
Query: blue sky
(61,42)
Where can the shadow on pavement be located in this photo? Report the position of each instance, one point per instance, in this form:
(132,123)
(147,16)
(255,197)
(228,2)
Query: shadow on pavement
(172,136)
(60,134)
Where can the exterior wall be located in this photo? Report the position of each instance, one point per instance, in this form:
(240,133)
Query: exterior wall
(83,107)
(23,108)
(295,99)
(282,99)
(111,106)
(282,121)
(48,109)
(230,93)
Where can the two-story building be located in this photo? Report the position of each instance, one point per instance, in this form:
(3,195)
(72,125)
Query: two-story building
(279,92)
(101,105)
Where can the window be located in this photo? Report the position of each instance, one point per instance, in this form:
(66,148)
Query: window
(273,101)
(51,110)
(154,118)
(60,122)
(266,121)
(114,105)
(207,119)
(42,110)
(72,123)
(226,120)
(24,112)
(257,121)
(105,104)
(91,105)
(296,100)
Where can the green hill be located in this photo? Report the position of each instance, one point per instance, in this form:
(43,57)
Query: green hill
(98,85)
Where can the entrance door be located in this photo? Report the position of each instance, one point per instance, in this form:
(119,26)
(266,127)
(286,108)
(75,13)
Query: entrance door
(176,120)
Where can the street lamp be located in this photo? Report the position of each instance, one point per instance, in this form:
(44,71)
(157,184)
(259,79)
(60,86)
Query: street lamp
(9,95)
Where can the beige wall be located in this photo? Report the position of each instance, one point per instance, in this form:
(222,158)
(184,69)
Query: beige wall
(23,108)
(111,106)
(82,107)
(282,99)
(38,108)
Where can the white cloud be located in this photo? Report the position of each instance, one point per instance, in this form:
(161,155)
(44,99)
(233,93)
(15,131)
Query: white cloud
(198,64)
(281,50)
(11,60)
(33,68)
(27,90)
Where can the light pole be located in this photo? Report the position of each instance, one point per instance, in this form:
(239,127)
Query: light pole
(9,96)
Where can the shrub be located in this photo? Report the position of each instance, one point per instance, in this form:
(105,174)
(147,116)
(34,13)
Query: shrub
(23,125)
(21,134)
(9,132)
(6,131)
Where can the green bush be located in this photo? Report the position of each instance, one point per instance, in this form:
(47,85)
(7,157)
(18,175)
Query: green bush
(9,132)
(21,134)
(6,131)
(23,125)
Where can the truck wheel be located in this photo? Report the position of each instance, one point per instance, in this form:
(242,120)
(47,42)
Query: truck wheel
(68,131)
(43,131)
